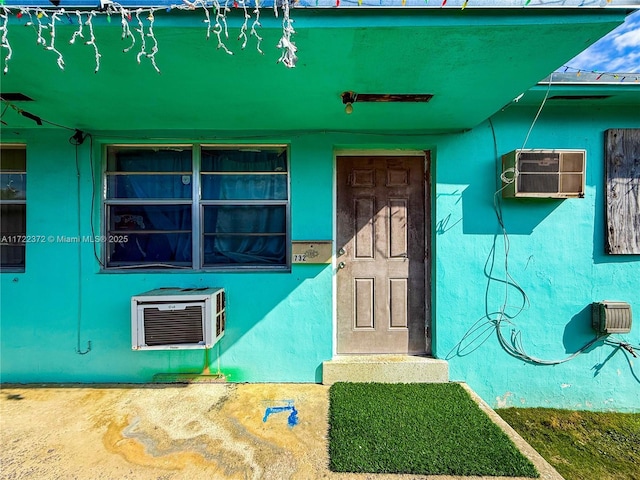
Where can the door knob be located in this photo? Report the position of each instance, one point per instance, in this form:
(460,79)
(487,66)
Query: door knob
(341,265)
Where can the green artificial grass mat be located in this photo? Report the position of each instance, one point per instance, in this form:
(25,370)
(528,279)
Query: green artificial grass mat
(424,429)
(581,444)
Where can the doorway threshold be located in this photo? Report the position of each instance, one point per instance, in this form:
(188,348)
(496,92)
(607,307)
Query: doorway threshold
(385,369)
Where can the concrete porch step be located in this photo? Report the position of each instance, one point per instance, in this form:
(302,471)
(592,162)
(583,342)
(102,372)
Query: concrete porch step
(384,369)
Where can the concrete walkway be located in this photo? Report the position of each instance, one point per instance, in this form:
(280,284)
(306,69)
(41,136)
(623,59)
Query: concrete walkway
(198,431)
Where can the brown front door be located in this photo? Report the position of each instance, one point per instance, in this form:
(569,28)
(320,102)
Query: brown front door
(381,255)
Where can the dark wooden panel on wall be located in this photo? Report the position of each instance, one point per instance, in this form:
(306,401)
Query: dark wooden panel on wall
(622,157)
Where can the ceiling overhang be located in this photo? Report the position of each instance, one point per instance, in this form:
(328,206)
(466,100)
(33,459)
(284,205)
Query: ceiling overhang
(473,62)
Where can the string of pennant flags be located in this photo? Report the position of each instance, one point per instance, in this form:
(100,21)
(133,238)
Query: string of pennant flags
(462,4)
(343,3)
(599,75)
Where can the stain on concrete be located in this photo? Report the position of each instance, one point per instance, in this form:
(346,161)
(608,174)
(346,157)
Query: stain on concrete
(200,431)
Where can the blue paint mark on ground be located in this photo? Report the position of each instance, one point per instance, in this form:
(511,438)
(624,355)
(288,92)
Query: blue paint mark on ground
(292,421)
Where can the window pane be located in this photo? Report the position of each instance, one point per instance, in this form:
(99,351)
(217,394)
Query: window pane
(13,219)
(12,257)
(149,186)
(243,219)
(244,250)
(150,248)
(13,186)
(244,235)
(149,159)
(149,234)
(12,232)
(13,159)
(244,187)
(259,159)
(149,218)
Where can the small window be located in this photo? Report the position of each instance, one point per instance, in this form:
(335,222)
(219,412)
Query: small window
(244,207)
(148,206)
(196,207)
(13,207)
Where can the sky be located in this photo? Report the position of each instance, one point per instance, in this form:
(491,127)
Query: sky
(618,52)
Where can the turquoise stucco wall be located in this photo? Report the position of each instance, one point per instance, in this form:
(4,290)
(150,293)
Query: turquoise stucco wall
(556,255)
(280,325)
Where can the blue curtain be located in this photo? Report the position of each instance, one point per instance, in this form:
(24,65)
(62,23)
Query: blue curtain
(139,221)
(235,230)
(238,233)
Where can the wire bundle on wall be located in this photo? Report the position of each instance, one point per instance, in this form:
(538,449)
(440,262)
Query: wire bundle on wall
(137,26)
(514,345)
(499,319)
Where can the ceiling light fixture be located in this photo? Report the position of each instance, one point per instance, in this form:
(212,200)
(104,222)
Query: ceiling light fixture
(348,98)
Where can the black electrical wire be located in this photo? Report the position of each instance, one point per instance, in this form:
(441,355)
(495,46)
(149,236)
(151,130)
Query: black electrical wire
(79,350)
(515,347)
(627,349)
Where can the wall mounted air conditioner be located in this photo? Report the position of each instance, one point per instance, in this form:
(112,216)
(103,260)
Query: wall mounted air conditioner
(538,173)
(611,317)
(177,318)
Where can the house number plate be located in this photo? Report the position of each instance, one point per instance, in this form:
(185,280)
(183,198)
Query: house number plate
(311,252)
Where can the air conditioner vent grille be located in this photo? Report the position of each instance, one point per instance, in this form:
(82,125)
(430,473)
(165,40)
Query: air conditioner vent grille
(162,327)
(540,173)
(220,324)
(178,318)
(611,317)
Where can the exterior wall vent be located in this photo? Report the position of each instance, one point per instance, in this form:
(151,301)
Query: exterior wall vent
(177,318)
(611,317)
(540,173)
